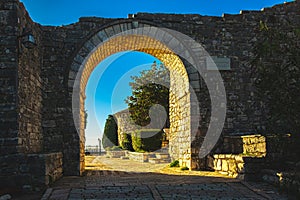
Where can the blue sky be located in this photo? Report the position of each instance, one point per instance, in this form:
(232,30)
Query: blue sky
(58,12)
(108,85)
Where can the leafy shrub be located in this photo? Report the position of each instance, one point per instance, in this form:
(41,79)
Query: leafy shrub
(146,140)
(184,168)
(116,148)
(113,148)
(126,143)
(175,163)
(110,134)
(140,151)
(107,149)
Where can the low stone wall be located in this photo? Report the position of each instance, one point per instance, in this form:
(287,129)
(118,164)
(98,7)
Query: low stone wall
(238,166)
(115,154)
(246,144)
(53,167)
(288,181)
(32,171)
(279,147)
(140,157)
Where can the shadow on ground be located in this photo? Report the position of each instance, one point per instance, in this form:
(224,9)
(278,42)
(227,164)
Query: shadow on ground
(107,178)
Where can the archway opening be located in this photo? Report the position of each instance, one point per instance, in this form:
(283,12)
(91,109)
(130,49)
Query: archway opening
(107,91)
(180,102)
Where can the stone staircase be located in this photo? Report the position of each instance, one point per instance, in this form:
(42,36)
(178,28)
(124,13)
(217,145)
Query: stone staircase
(287,178)
(160,156)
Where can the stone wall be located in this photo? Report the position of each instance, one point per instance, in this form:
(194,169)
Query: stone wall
(140,157)
(20,81)
(125,125)
(242,157)
(250,156)
(59,131)
(37,84)
(29,85)
(238,166)
(287,180)
(30,171)
(245,144)
(8,77)
(232,36)
(23,163)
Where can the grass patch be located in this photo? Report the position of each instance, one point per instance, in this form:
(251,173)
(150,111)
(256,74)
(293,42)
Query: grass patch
(175,163)
(184,168)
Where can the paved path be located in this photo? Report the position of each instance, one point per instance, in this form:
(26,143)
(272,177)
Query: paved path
(108,179)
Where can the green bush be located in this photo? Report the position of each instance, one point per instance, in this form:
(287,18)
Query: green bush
(146,140)
(140,151)
(110,134)
(126,143)
(175,163)
(113,148)
(116,148)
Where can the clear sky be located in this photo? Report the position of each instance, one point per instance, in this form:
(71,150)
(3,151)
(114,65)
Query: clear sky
(108,85)
(58,12)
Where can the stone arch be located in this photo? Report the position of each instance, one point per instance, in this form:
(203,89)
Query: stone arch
(149,39)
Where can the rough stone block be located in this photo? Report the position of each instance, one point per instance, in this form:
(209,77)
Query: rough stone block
(225,165)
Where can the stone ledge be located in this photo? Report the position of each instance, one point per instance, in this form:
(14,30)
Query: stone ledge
(116,154)
(254,144)
(287,180)
(140,157)
(30,171)
(238,166)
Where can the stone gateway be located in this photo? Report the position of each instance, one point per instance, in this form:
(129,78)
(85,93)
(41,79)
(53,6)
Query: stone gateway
(44,71)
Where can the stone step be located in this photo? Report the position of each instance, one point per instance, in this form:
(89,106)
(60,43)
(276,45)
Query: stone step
(283,179)
(270,176)
(162,155)
(158,161)
(163,150)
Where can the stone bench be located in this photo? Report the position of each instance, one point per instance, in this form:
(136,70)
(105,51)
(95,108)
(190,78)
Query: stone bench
(237,166)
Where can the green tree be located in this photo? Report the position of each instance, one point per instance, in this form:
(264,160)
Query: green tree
(277,68)
(149,88)
(110,134)
(158,74)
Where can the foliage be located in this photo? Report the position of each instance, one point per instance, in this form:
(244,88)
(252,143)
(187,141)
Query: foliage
(157,74)
(149,88)
(277,63)
(126,143)
(116,148)
(175,163)
(184,168)
(146,140)
(140,151)
(113,148)
(110,134)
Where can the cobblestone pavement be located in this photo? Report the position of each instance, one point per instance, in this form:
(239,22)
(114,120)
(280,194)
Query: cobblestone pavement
(121,184)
